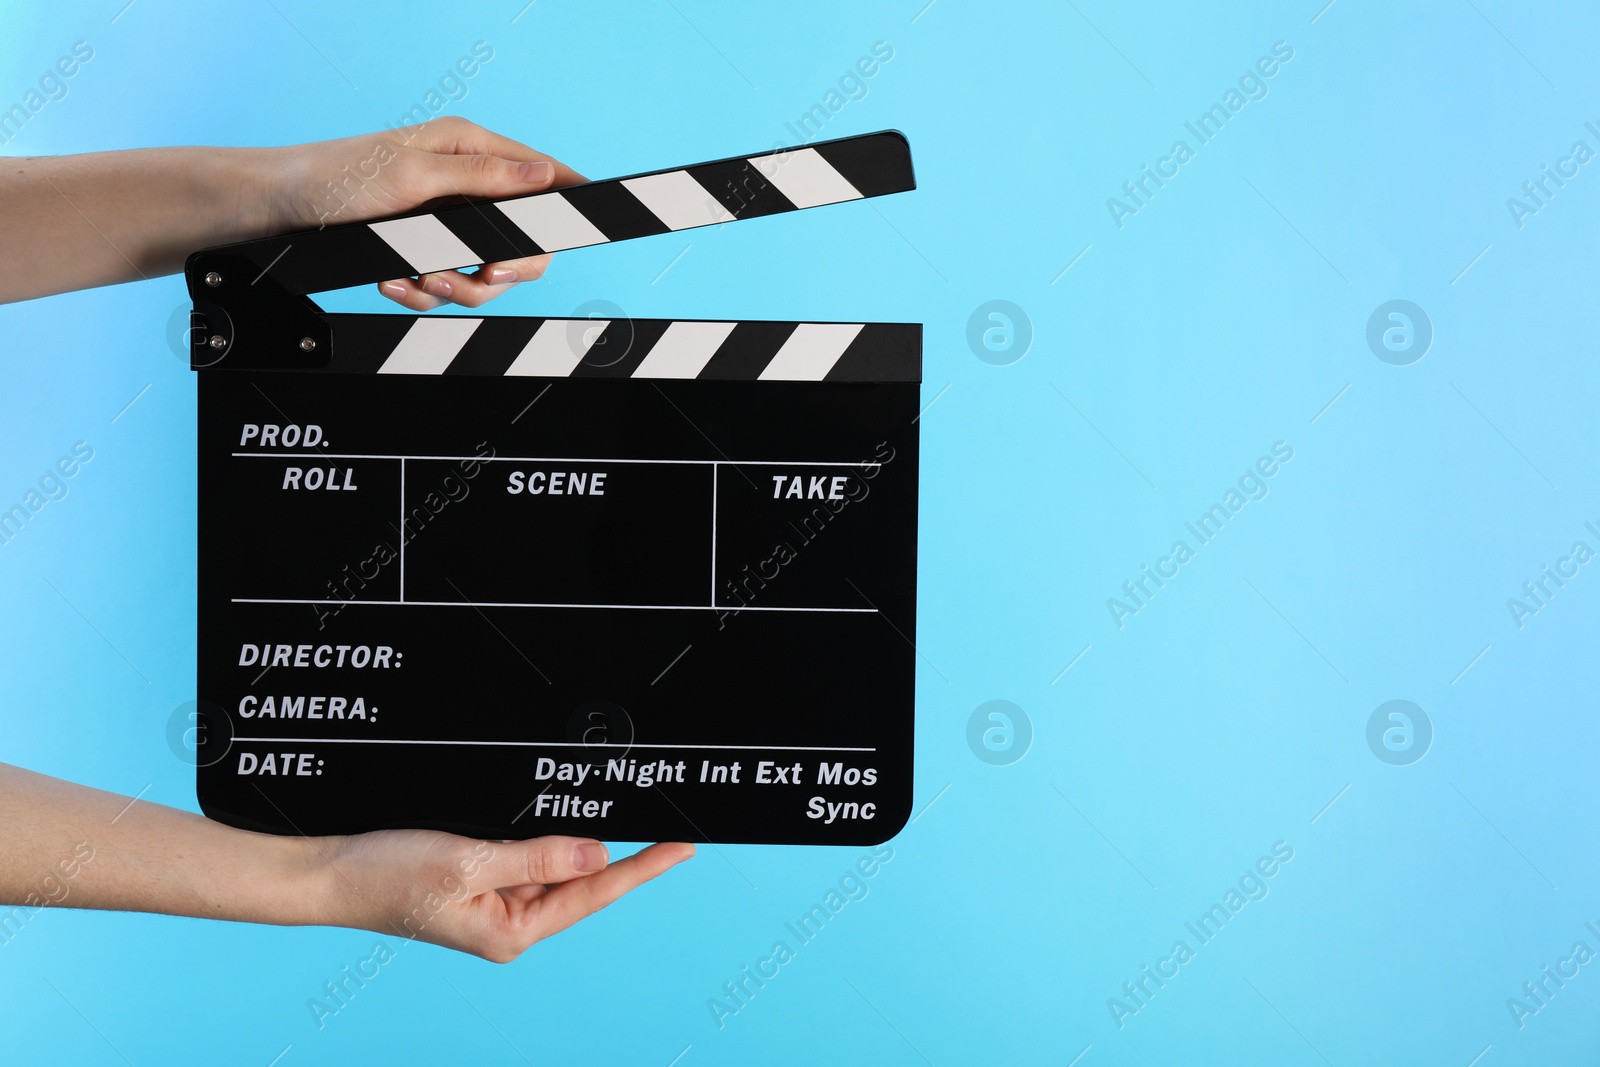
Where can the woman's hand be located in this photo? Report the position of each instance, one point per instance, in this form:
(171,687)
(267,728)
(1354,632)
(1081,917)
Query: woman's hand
(492,899)
(382,174)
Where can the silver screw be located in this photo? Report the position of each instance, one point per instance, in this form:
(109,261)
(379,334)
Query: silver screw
(213,279)
(218,341)
(307,344)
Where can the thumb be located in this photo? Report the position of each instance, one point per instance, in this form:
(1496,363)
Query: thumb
(482,176)
(541,861)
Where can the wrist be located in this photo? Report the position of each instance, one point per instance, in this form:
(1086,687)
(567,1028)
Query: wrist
(284,881)
(328,877)
(254,186)
(303,187)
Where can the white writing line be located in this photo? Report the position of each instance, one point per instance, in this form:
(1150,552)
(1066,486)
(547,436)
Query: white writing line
(1475,659)
(1474,263)
(1057,278)
(134,801)
(130,403)
(1069,666)
(673,664)
(1331,803)
(1330,403)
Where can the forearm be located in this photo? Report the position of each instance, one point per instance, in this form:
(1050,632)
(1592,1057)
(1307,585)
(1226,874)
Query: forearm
(72,846)
(73,222)
(67,845)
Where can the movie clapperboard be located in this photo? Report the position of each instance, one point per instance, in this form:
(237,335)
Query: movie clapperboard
(512,576)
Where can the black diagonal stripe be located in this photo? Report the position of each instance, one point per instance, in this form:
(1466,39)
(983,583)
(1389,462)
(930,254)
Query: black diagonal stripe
(614,211)
(494,345)
(881,352)
(876,164)
(741,188)
(747,350)
(326,259)
(486,230)
(362,342)
(618,351)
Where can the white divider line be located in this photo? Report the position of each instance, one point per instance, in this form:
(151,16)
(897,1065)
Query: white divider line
(543,744)
(713,535)
(563,459)
(402,531)
(487,604)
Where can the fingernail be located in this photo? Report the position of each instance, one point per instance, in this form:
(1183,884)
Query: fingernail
(394,289)
(589,856)
(502,276)
(535,172)
(436,285)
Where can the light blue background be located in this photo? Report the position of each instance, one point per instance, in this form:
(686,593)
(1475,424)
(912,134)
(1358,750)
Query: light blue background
(1224,717)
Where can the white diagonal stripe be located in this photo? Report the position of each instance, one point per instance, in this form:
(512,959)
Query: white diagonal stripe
(552,221)
(684,350)
(811,351)
(557,347)
(806,178)
(430,345)
(678,200)
(425,243)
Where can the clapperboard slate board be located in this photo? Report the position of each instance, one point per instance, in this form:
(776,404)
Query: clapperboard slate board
(512,576)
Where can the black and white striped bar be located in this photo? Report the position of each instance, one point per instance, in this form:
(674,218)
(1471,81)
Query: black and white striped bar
(626,348)
(618,209)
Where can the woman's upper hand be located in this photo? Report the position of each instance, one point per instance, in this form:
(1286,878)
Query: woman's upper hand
(374,176)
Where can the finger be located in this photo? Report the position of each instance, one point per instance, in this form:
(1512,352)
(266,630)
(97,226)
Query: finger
(430,175)
(457,136)
(408,293)
(467,290)
(582,897)
(541,861)
(525,270)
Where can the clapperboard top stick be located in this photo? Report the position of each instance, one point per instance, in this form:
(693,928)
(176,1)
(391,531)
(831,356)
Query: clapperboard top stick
(251,309)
